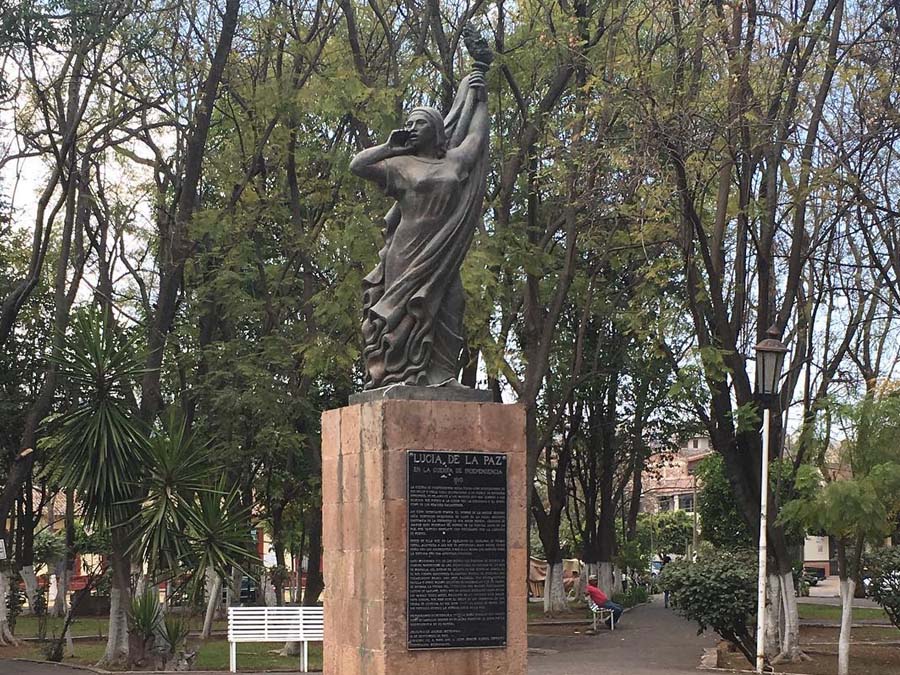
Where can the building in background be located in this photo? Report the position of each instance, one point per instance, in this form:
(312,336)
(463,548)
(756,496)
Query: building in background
(668,481)
(669,485)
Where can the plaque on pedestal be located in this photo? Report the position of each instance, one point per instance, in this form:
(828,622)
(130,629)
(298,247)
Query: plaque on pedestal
(424,536)
(456,564)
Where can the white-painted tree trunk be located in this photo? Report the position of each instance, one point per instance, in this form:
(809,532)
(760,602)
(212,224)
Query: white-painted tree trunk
(60,602)
(30,580)
(790,642)
(606,577)
(848,586)
(581,583)
(117,640)
(234,589)
(291,649)
(70,643)
(6,636)
(268,589)
(773,617)
(213,593)
(554,591)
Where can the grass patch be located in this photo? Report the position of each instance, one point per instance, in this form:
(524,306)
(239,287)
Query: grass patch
(211,655)
(88,626)
(576,611)
(832,613)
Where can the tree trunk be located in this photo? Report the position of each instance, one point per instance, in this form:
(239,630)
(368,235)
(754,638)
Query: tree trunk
(30,580)
(606,577)
(116,653)
(177,245)
(6,636)
(790,641)
(847,588)
(554,590)
(587,569)
(214,592)
(62,591)
(117,641)
(773,617)
(234,588)
(280,562)
(26,552)
(315,584)
(63,578)
(268,590)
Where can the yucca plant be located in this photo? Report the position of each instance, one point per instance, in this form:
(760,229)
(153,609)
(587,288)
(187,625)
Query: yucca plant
(175,632)
(143,618)
(158,493)
(176,470)
(97,446)
(188,520)
(219,533)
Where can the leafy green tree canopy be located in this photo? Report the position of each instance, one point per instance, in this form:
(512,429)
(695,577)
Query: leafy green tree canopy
(721,522)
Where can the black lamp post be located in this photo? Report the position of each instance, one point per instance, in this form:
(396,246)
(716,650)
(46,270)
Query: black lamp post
(769,362)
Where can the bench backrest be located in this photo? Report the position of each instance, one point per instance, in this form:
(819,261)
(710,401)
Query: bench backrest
(275,624)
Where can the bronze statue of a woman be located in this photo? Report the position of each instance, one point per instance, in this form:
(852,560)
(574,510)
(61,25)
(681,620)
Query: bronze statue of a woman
(435,169)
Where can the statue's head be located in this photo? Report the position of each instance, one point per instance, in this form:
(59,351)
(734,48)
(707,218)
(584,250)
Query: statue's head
(427,131)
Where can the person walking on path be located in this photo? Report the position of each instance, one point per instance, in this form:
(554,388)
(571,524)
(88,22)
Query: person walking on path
(665,561)
(601,600)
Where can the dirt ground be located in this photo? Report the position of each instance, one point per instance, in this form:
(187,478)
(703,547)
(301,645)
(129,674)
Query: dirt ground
(820,644)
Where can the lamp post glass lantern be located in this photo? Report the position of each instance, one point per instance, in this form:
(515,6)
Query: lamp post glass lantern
(769,361)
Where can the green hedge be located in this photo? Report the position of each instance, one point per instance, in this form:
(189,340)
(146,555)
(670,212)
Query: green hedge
(719,592)
(635,595)
(882,566)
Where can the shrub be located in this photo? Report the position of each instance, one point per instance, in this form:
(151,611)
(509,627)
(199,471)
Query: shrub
(638,594)
(882,566)
(15,600)
(717,591)
(635,595)
(143,618)
(175,632)
(40,611)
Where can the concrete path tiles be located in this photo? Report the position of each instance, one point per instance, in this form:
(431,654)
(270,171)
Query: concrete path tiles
(649,640)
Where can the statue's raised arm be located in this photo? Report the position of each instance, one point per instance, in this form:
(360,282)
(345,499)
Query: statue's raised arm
(435,168)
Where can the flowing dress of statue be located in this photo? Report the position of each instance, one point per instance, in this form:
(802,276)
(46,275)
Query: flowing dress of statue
(435,169)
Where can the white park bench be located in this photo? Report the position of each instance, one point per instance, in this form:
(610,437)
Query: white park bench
(601,614)
(275,624)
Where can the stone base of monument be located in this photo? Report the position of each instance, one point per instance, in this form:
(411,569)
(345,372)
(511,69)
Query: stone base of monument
(424,538)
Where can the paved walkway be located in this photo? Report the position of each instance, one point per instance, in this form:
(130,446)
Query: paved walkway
(649,640)
(23,668)
(10,667)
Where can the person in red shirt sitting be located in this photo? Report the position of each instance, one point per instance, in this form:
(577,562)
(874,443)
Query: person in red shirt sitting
(601,600)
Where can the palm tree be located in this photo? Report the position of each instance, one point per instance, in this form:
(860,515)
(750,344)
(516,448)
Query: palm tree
(98,447)
(156,491)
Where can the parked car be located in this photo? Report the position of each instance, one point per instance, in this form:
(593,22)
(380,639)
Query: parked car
(813,575)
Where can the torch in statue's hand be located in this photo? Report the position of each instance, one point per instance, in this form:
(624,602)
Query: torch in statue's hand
(478,48)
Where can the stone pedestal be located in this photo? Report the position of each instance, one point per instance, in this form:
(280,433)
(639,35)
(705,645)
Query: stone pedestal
(365,510)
